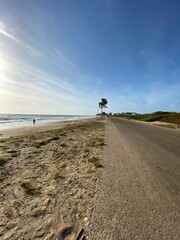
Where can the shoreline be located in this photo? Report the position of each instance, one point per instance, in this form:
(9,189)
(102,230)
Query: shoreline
(12,132)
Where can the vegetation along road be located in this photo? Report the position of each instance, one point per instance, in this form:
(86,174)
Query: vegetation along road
(138,194)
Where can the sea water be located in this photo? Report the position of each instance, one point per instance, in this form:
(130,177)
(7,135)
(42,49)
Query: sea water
(9,121)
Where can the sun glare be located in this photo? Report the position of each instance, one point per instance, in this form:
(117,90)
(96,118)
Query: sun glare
(1,74)
(1,68)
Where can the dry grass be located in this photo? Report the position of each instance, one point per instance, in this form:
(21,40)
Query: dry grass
(95,161)
(100,142)
(167,117)
(29,187)
(2,178)
(165,125)
(39,143)
(3,162)
(38,211)
(4,159)
(63,145)
(63,165)
(58,175)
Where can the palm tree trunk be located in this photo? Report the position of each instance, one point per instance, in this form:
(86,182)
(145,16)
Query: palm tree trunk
(97,111)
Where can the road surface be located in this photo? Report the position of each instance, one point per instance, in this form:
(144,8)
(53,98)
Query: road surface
(138,194)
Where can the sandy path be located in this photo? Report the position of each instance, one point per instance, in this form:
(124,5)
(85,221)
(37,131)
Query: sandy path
(136,198)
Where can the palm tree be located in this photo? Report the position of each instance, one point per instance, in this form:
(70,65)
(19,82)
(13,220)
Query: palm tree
(103,104)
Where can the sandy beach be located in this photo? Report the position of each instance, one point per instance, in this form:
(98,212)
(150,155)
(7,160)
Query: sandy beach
(5,133)
(47,179)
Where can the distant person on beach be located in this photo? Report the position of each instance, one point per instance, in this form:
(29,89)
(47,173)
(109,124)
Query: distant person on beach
(34,121)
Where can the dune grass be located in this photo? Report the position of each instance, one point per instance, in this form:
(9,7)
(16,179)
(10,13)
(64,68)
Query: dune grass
(95,161)
(165,125)
(29,187)
(168,117)
(4,160)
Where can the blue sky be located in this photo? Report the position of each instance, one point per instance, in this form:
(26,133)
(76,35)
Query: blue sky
(63,56)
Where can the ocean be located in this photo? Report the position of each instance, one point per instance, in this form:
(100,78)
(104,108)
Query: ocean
(9,121)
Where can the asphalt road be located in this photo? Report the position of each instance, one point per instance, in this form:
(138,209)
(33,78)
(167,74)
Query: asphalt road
(138,194)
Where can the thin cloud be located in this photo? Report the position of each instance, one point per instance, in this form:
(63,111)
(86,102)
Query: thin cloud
(121,104)
(60,55)
(27,80)
(160,94)
(4,30)
(24,71)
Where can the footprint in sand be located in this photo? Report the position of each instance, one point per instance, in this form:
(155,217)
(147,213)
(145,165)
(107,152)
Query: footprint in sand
(66,231)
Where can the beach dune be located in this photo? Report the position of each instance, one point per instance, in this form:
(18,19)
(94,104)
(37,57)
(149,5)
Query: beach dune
(47,179)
